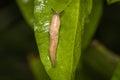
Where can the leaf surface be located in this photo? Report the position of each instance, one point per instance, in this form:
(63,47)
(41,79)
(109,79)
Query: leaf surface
(26,7)
(91,22)
(112,1)
(70,35)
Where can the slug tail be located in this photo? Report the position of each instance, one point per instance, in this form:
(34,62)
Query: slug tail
(53,60)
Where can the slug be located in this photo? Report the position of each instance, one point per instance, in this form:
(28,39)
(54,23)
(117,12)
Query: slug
(54,36)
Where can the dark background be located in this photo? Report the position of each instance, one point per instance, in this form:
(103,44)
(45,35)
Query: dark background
(108,31)
(17,39)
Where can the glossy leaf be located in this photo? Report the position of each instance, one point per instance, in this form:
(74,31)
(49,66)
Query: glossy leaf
(26,7)
(112,1)
(91,22)
(69,46)
(90,26)
(63,69)
(60,5)
(84,10)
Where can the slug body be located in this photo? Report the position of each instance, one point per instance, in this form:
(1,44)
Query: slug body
(54,35)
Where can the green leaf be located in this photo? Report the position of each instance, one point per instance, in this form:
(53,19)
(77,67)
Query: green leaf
(69,46)
(60,5)
(84,10)
(112,1)
(65,50)
(91,22)
(116,75)
(26,7)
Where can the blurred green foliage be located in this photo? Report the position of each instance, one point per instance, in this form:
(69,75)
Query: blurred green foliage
(18,46)
(116,75)
(112,1)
